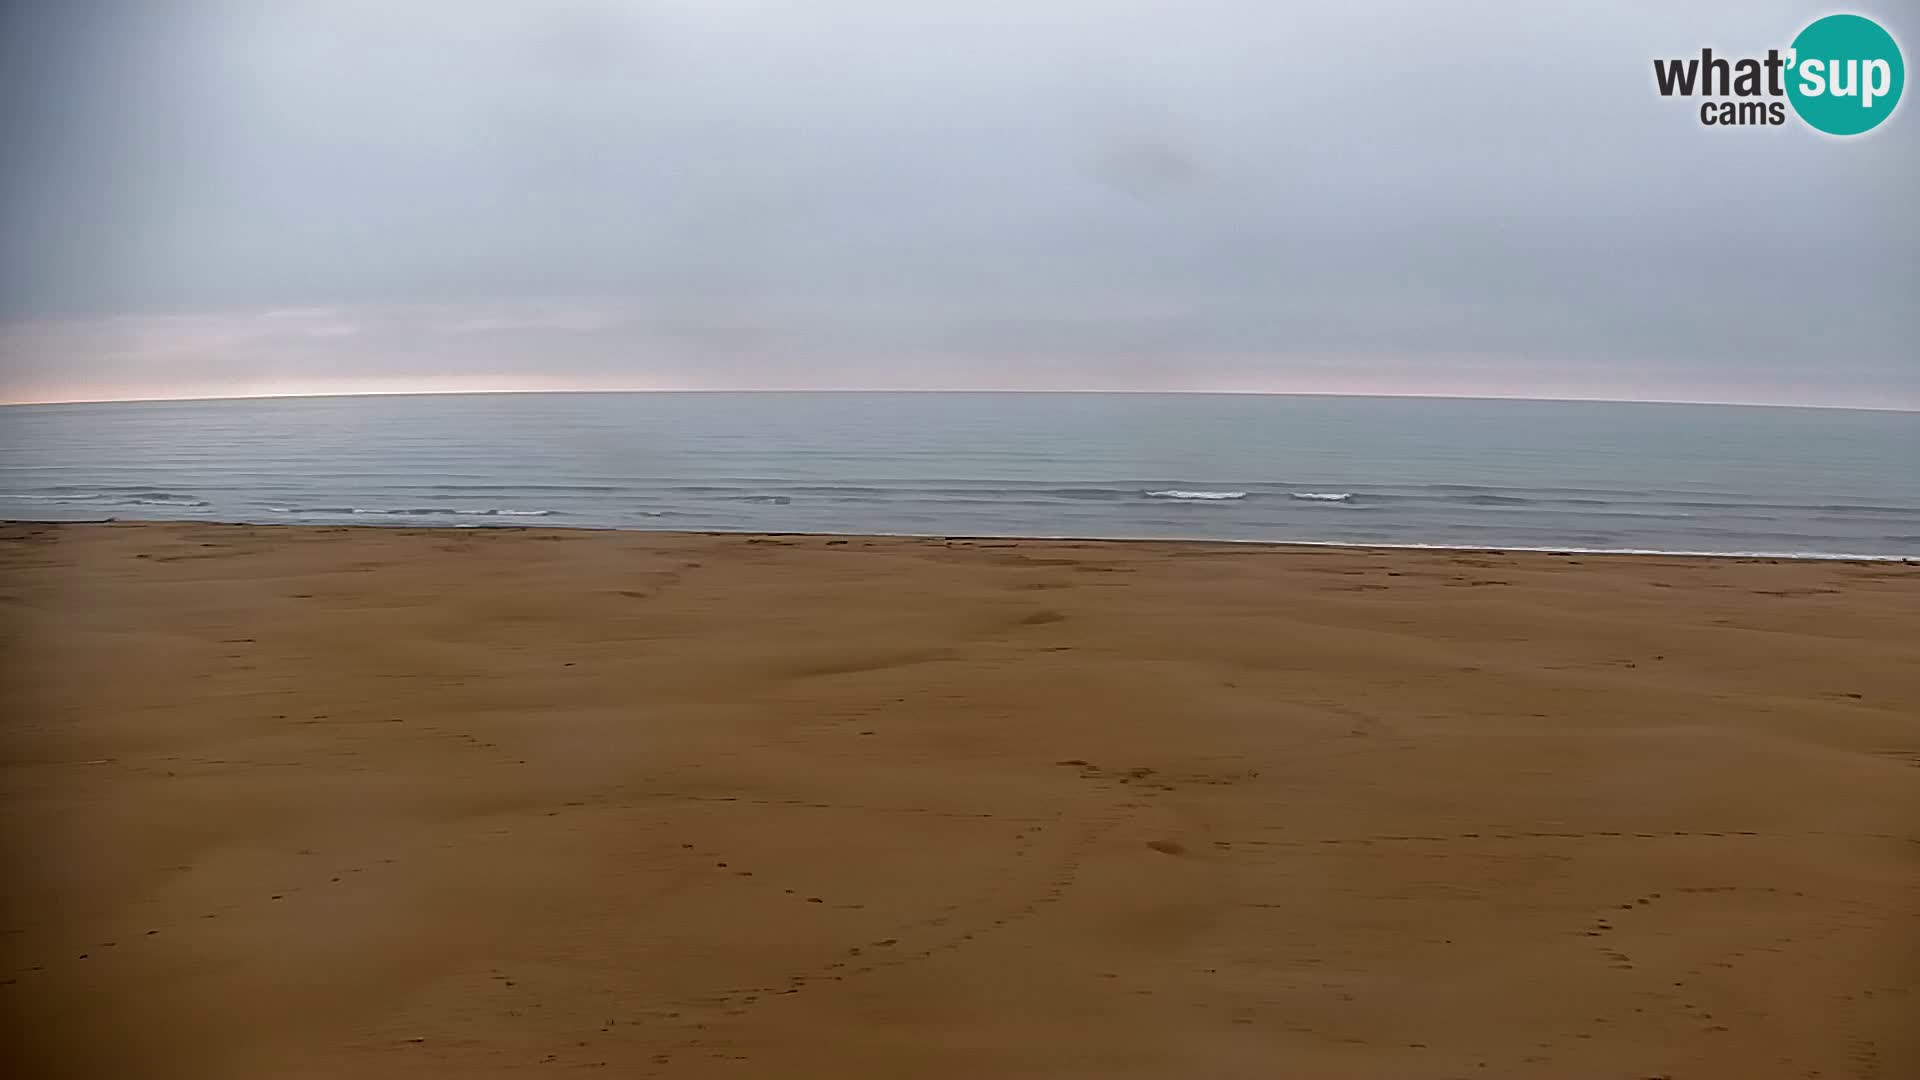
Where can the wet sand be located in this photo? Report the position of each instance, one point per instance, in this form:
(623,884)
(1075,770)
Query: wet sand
(307,802)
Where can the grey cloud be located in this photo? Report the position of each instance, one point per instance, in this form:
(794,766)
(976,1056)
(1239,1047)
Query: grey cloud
(773,193)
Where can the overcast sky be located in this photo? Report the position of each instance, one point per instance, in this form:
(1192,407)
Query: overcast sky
(209,197)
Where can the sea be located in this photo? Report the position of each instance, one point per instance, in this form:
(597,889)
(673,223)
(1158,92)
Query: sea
(1420,472)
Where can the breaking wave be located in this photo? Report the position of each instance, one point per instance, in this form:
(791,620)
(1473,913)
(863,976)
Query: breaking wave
(412,511)
(1196,496)
(116,498)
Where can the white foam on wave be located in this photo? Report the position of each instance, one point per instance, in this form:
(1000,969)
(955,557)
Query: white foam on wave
(418,511)
(1323,496)
(1197,496)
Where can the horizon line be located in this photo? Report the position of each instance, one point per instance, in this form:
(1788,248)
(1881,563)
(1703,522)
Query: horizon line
(942,390)
(945,390)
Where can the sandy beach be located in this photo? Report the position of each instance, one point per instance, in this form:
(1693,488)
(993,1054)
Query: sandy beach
(328,802)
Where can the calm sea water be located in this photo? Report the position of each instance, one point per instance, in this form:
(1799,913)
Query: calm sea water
(1558,475)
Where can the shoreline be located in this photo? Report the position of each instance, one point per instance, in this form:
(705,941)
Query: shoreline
(1338,545)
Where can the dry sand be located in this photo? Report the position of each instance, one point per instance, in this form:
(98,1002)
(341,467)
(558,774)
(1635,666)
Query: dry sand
(332,803)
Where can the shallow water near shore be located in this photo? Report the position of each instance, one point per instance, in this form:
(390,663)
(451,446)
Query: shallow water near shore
(1590,476)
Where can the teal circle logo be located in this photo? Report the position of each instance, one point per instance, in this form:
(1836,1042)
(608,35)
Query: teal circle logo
(1846,74)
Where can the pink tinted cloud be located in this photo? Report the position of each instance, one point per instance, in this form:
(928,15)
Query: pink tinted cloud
(597,344)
